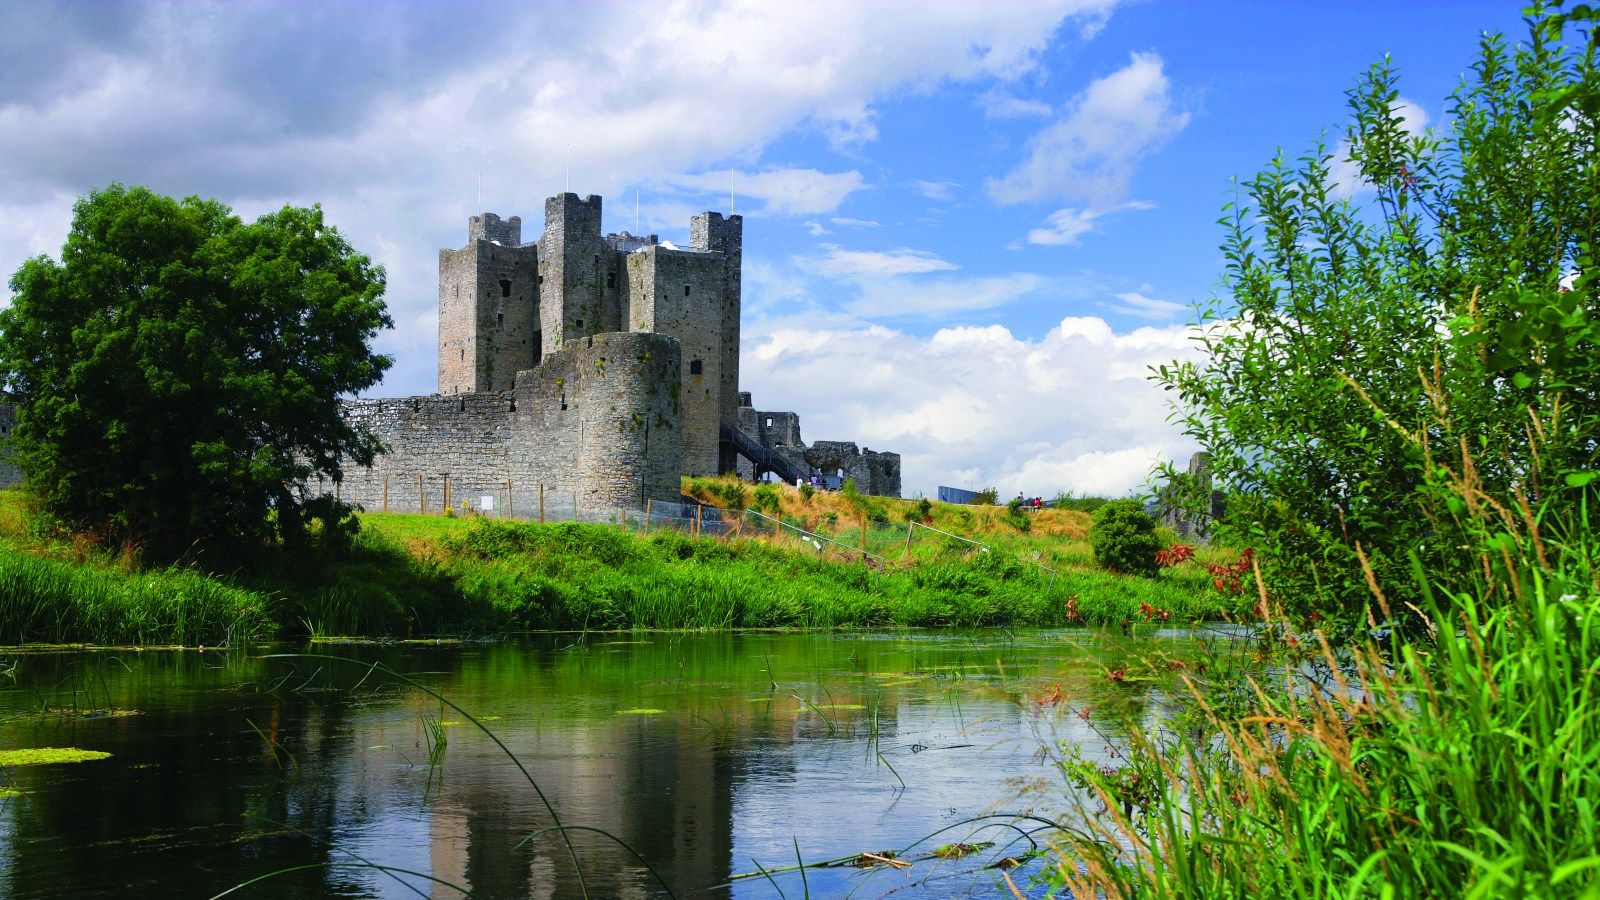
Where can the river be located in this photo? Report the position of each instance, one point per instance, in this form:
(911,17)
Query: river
(710,755)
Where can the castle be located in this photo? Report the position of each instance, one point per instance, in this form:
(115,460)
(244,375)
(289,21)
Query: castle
(599,367)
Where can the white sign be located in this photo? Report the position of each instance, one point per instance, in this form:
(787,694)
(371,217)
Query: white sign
(486,503)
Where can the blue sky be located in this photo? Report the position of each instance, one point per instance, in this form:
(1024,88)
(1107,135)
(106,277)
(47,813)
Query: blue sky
(970,227)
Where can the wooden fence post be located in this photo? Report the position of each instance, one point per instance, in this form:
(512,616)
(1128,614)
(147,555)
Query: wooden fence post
(647,503)
(446,509)
(385,493)
(911,527)
(422,496)
(697,520)
(510,509)
(541,503)
(863,534)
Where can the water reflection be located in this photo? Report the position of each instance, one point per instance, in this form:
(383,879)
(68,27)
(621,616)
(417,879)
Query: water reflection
(703,753)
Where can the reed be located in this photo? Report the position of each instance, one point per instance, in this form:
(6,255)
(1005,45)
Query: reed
(1463,764)
(45,600)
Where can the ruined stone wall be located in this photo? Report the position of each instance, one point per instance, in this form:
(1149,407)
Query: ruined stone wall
(873,473)
(596,420)
(679,294)
(488,308)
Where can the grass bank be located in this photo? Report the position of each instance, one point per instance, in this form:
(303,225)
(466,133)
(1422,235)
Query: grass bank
(412,576)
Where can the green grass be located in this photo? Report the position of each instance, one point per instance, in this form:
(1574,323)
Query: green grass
(590,576)
(1463,765)
(406,576)
(45,600)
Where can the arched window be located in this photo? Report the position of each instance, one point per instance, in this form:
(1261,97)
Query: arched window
(505,287)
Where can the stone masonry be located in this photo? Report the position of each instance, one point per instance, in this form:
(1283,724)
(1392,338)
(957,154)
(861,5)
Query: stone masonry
(874,472)
(601,365)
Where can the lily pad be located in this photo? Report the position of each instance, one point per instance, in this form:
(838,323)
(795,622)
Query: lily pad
(42,756)
(641,711)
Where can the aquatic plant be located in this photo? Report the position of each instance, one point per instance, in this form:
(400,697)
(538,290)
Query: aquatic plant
(49,756)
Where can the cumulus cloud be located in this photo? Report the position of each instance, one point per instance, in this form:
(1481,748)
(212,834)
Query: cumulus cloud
(977,405)
(399,118)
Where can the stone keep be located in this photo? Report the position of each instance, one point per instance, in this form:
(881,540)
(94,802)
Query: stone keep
(602,364)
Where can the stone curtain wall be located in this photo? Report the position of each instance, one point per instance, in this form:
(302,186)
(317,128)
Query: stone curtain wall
(596,420)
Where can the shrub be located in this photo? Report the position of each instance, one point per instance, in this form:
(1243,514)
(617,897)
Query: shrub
(920,511)
(986,497)
(1465,271)
(766,499)
(807,491)
(1124,538)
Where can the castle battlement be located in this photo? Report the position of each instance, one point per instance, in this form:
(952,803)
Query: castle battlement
(606,364)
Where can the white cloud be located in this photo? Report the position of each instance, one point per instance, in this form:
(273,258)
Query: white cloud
(931,298)
(978,405)
(998,103)
(782,191)
(867,264)
(1136,304)
(1065,226)
(1344,174)
(936,190)
(399,118)
(1090,152)
(856,223)
(816,229)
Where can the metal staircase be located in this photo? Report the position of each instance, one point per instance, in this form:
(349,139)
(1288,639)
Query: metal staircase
(765,459)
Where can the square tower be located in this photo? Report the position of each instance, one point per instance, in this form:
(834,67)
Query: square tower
(488,308)
(575,266)
(709,232)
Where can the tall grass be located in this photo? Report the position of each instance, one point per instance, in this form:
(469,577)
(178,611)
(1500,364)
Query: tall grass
(44,600)
(569,575)
(405,576)
(1466,764)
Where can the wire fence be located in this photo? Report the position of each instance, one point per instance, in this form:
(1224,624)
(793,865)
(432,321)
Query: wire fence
(881,541)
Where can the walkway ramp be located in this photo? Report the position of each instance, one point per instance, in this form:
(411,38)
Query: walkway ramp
(765,459)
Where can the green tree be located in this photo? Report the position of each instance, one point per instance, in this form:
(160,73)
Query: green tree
(1375,359)
(177,374)
(1124,538)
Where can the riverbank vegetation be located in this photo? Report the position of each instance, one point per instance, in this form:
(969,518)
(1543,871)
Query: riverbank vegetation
(403,575)
(1406,430)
